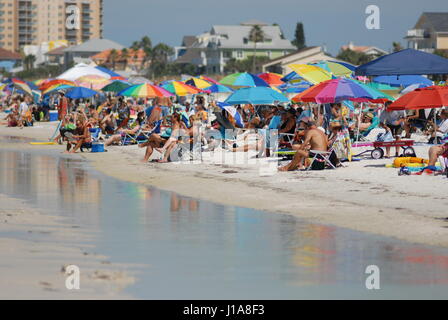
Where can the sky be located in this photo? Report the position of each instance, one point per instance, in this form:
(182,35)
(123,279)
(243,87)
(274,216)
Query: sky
(331,23)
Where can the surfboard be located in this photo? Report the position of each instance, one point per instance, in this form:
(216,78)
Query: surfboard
(43,143)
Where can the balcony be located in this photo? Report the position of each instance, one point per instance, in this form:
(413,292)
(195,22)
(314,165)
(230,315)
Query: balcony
(417,33)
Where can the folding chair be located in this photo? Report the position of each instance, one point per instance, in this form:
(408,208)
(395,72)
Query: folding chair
(323,156)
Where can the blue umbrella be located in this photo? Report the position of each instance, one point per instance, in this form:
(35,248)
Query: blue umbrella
(244,79)
(80,93)
(403,80)
(256,95)
(218,88)
(294,87)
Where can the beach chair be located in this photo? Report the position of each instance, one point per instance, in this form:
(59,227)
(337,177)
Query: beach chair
(95,137)
(320,159)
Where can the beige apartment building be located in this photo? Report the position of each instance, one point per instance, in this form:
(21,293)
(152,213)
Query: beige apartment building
(32,22)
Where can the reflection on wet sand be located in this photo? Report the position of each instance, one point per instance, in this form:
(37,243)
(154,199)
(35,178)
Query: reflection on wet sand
(176,234)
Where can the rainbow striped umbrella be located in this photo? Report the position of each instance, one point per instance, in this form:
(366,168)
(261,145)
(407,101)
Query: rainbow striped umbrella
(145,90)
(93,82)
(198,83)
(51,82)
(181,89)
(273,79)
(311,74)
(337,90)
(57,87)
(244,79)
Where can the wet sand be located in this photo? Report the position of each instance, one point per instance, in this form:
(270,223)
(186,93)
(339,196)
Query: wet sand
(36,248)
(364,196)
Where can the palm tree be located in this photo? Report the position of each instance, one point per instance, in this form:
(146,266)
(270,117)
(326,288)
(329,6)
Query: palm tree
(256,35)
(125,56)
(113,56)
(28,62)
(159,58)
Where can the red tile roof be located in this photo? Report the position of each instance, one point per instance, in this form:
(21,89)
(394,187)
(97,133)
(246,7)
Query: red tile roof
(9,55)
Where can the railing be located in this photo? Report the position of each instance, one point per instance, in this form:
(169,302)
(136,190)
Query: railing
(418,33)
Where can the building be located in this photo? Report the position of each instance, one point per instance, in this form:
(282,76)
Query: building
(303,56)
(212,50)
(82,53)
(133,61)
(368,50)
(55,56)
(8,59)
(429,33)
(32,22)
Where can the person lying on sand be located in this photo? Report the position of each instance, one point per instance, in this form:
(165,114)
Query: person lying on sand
(315,139)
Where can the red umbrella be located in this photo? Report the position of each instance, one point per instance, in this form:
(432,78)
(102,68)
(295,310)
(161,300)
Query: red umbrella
(424,98)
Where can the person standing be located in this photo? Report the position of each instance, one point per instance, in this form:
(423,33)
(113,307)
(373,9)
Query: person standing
(62,107)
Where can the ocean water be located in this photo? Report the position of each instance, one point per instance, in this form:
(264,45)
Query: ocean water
(186,248)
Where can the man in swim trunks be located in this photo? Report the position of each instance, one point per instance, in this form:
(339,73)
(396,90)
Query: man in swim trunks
(315,139)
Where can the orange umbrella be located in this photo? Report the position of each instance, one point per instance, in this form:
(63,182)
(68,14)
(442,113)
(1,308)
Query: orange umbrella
(274,79)
(424,98)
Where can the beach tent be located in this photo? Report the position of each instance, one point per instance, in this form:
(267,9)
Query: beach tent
(81,70)
(403,80)
(404,62)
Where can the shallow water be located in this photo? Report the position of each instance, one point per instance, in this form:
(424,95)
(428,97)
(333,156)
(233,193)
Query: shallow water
(193,249)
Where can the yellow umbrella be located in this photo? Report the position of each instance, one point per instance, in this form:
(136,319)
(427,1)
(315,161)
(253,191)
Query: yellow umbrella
(311,73)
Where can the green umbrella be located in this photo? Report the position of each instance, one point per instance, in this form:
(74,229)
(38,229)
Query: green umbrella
(116,86)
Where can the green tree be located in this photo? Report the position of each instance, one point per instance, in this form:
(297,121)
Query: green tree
(124,57)
(112,58)
(28,62)
(299,39)
(397,46)
(441,52)
(256,35)
(159,59)
(355,57)
(233,65)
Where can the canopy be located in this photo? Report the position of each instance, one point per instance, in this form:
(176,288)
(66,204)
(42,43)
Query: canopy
(81,70)
(425,98)
(403,80)
(256,95)
(408,61)
(80,93)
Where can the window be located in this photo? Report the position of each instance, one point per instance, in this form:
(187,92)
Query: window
(239,54)
(268,53)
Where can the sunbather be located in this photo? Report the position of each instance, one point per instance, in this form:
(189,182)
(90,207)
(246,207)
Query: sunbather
(131,131)
(315,139)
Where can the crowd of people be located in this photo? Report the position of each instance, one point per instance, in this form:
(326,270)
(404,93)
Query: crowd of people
(162,124)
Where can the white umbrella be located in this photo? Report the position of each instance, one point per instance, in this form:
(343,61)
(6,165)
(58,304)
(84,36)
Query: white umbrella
(81,70)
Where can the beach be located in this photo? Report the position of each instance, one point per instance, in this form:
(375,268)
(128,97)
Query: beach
(364,195)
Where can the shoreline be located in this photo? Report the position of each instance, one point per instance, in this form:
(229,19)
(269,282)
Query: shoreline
(364,196)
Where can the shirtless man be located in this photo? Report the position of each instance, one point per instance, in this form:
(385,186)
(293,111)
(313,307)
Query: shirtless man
(315,139)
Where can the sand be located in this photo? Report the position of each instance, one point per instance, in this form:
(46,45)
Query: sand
(364,196)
